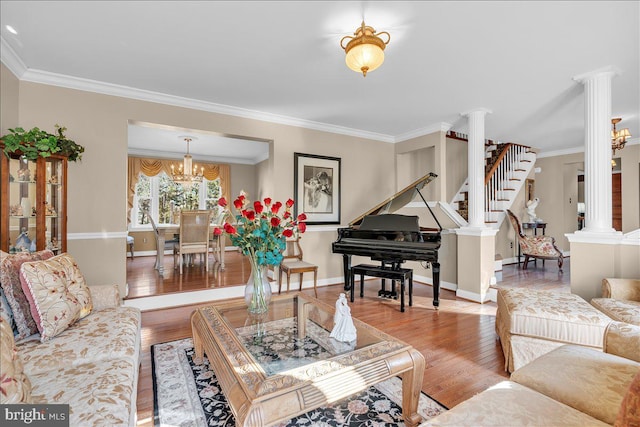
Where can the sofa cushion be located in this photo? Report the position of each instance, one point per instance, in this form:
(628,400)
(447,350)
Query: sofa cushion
(574,374)
(57,293)
(15,387)
(511,404)
(629,414)
(106,334)
(10,282)
(554,316)
(622,310)
(99,394)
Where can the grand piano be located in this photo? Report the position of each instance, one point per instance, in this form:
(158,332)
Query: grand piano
(390,238)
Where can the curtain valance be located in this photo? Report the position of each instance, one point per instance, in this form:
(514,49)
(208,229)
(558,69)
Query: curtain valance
(152,167)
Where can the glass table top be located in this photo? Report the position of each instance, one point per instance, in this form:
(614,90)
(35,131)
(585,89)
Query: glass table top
(293,333)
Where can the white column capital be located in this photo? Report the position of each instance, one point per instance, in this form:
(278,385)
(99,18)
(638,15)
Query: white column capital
(476,111)
(610,70)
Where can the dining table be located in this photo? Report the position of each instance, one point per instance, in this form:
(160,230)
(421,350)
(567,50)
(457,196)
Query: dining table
(173,231)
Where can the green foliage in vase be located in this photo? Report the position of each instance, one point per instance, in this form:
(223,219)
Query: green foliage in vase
(36,143)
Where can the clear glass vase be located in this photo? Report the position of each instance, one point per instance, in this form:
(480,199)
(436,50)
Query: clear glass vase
(257,292)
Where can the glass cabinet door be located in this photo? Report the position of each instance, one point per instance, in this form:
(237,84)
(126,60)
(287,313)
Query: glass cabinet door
(22,204)
(53,205)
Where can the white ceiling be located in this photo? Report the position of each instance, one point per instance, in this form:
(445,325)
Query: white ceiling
(281,61)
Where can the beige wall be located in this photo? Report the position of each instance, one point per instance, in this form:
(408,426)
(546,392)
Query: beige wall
(243,177)
(557,186)
(10,89)
(457,170)
(97,184)
(413,155)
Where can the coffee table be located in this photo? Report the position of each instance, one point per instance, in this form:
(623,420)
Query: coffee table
(283,363)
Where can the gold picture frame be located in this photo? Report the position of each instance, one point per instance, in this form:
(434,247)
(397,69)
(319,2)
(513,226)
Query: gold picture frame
(530,187)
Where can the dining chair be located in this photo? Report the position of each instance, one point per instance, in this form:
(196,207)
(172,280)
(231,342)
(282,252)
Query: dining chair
(292,263)
(215,242)
(195,228)
(167,243)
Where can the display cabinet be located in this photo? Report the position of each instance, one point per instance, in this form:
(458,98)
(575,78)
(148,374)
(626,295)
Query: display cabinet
(33,203)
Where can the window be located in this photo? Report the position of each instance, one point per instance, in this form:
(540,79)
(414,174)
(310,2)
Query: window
(163,199)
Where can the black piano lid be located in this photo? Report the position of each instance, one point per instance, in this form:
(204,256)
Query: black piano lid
(400,200)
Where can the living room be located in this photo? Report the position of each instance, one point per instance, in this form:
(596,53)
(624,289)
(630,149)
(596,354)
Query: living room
(97,113)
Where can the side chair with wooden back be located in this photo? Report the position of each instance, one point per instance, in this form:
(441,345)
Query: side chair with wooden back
(169,242)
(195,228)
(535,247)
(292,263)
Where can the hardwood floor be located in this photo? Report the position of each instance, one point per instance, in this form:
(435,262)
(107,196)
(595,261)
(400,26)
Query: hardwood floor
(463,355)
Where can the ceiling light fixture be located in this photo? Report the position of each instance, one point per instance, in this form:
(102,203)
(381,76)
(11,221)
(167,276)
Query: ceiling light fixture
(365,49)
(11,29)
(618,137)
(186,173)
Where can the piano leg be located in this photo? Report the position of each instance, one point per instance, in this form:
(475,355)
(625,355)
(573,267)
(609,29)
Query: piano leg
(346,263)
(435,269)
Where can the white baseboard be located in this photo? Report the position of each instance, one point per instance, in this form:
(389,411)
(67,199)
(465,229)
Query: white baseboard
(211,295)
(472,296)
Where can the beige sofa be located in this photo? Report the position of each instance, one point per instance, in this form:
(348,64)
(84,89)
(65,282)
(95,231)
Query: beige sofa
(92,366)
(620,300)
(569,386)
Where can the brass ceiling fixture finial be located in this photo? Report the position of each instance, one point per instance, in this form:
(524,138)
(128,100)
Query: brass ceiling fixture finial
(365,49)
(618,137)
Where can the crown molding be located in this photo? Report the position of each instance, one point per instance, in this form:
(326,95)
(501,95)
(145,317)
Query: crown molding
(10,58)
(88,85)
(437,127)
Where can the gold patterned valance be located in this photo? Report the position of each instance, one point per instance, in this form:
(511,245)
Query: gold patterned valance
(152,167)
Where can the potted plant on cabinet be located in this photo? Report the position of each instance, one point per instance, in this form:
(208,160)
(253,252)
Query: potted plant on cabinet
(36,143)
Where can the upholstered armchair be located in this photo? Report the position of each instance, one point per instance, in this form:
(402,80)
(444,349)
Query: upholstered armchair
(535,247)
(620,300)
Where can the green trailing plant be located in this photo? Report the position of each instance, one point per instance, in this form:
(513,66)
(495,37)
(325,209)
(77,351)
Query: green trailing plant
(36,143)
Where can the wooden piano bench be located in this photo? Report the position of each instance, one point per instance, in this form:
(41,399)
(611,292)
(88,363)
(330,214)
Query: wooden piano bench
(401,275)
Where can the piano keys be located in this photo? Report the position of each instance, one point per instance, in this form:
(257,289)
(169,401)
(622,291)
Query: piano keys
(392,238)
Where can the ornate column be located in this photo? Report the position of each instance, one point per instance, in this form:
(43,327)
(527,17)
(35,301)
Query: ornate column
(597,150)
(476,166)
(476,241)
(595,250)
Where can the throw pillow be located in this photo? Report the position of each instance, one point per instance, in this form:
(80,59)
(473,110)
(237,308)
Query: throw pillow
(15,386)
(629,414)
(57,292)
(5,310)
(10,282)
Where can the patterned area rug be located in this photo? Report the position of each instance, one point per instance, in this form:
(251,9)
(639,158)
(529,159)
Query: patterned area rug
(188,395)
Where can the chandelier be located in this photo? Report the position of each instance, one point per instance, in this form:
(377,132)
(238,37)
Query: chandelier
(618,137)
(365,49)
(186,173)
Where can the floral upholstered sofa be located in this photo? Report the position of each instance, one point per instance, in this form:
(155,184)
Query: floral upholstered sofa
(85,351)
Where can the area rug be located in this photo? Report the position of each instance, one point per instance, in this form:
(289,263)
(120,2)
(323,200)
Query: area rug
(189,395)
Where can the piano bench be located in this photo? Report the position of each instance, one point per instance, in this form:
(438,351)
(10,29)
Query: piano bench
(401,275)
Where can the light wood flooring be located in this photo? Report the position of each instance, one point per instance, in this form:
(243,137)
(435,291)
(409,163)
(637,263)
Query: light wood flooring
(463,355)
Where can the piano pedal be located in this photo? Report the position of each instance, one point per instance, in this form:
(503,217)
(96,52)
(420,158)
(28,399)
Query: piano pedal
(388,294)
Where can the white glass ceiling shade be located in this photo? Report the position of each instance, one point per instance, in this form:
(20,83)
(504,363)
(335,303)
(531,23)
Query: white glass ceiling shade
(365,50)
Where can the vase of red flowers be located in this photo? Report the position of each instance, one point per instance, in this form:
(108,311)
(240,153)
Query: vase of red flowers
(260,231)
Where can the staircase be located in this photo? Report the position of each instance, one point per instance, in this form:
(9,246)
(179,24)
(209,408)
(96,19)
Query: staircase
(506,168)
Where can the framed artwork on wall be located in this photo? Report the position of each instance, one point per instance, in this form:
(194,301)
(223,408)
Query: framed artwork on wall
(530,187)
(316,185)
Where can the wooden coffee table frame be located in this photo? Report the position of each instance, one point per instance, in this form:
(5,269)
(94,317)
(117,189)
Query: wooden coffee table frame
(257,399)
